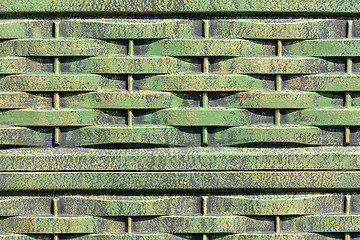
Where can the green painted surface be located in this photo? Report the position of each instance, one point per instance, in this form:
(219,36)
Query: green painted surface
(161,136)
(326,117)
(181,159)
(337,6)
(54,117)
(19,29)
(123,29)
(130,206)
(58,83)
(15,206)
(324,83)
(206,117)
(58,225)
(281,236)
(275,100)
(18,100)
(133,236)
(204,83)
(279,29)
(122,100)
(324,48)
(285,134)
(179,119)
(205,224)
(324,223)
(274,65)
(209,47)
(26,137)
(13,65)
(59,47)
(276,204)
(129,65)
(176,181)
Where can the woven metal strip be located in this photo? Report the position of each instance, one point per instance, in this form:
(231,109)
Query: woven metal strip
(174,120)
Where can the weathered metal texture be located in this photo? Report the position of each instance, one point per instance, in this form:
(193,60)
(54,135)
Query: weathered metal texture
(179,119)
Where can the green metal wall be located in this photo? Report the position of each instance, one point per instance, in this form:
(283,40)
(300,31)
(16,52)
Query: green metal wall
(179,119)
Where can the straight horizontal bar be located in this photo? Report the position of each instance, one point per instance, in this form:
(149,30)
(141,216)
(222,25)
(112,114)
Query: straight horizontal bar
(180,159)
(183,6)
(138,181)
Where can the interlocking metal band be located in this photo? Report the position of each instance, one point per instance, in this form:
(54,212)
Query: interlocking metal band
(179,120)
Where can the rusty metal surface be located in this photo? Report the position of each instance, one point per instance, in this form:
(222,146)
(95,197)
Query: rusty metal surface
(179,120)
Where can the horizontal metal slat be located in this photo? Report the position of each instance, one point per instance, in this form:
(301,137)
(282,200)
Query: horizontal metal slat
(25,28)
(60,47)
(324,117)
(130,236)
(161,136)
(203,83)
(25,137)
(59,224)
(57,117)
(324,223)
(324,83)
(283,29)
(275,65)
(270,134)
(14,65)
(171,181)
(206,117)
(270,205)
(274,100)
(59,83)
(122,100)
(18,100)
(178,159)
(129,65)
(203,224)
(21,205)
(335,7)
(276,236)
(127,29)
(210,48)
(129,206)
(324,48)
